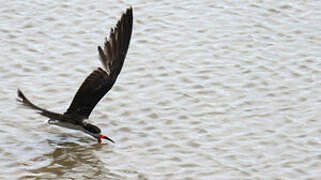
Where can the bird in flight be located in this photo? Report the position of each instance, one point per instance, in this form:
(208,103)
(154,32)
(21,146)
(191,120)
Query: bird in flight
(96,85)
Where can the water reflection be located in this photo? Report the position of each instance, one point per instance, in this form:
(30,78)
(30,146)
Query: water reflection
(69,160)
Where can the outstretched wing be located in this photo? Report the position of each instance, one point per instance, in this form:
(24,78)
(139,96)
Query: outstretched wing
(44,112)
(116,46)
(99,82)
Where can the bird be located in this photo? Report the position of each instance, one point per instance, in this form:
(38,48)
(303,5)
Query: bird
(96,84)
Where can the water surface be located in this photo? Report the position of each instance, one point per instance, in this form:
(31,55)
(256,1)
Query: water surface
(209,90)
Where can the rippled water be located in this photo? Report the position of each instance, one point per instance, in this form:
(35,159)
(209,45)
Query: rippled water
(209,90)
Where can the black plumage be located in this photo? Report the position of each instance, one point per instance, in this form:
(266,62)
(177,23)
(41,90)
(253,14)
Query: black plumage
(99,82)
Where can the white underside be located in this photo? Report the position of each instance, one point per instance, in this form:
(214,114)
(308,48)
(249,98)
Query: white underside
(70,126)
(65,125)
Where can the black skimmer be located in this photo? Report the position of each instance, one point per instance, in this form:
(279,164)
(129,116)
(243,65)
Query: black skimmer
(96,85)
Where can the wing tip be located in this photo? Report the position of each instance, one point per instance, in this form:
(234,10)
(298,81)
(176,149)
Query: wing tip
(129,10)
(117,43)
(128,15)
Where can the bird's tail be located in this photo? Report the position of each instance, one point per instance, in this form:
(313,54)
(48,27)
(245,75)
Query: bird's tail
(23,99)
(26,101)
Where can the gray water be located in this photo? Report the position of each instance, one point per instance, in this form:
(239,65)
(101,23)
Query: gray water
(209,90)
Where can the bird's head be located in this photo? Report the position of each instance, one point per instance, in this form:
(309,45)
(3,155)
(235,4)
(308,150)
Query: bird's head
(95,132)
